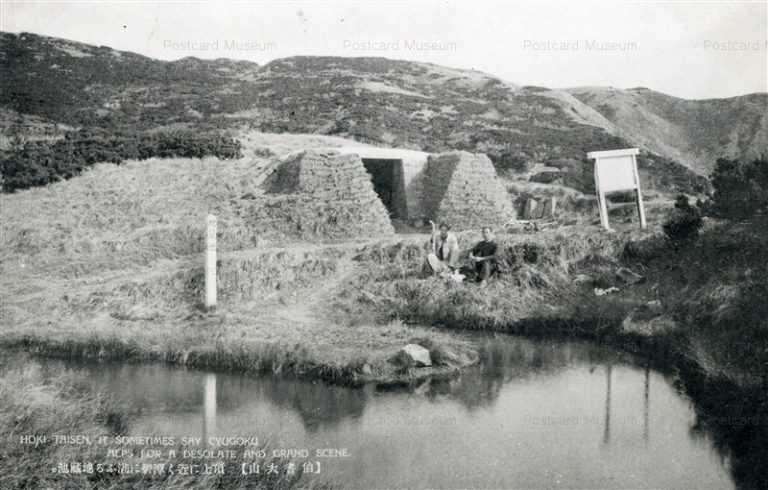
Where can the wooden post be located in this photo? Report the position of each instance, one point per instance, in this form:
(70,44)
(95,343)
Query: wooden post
(639,194)
(602,209)
(530,207)
(210,262)
(549,208)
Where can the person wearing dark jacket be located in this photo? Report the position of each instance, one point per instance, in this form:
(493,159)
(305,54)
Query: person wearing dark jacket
(483,255)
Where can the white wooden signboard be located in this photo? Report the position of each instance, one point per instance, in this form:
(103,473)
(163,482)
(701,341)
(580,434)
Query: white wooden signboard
(616,170)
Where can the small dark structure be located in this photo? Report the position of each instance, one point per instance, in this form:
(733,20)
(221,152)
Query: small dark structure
(389,184)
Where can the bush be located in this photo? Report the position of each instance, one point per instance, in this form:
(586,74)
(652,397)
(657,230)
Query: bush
(36,163)
(741,188)
(507,162)
(684,222)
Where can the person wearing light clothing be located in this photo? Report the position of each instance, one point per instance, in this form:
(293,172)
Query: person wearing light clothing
(444,254)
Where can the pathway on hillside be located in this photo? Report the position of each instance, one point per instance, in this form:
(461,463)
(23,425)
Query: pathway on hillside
(24,288)
(303,311)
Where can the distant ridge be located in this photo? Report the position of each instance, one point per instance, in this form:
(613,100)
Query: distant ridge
(379,101)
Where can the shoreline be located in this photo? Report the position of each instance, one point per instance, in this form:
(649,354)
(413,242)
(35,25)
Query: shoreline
(374,301)
(563,317)
(282,311)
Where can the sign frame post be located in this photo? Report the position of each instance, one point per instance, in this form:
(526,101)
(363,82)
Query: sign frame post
(210,262)
(616,170)
(639,195)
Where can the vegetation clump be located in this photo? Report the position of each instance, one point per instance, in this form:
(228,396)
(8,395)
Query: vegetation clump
(35,163)
(741,188)
(684,222)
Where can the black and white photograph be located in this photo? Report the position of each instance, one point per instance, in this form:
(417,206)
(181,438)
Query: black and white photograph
(429,244)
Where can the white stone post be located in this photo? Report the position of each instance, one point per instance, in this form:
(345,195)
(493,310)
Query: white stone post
(210,262)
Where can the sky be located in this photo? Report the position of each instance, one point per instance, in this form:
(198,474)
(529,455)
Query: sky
(693,50)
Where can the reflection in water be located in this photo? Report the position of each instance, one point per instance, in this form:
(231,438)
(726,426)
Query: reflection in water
(646,403)
(502,423)
(318,405)
(607,419)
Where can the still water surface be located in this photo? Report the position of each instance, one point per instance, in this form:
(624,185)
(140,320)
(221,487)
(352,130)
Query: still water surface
(534,414)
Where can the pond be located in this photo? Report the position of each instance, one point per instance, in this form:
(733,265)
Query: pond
(533,414)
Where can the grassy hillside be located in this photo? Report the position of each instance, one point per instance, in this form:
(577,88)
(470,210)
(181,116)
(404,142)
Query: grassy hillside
(141,211)
(115,252)
(372,100)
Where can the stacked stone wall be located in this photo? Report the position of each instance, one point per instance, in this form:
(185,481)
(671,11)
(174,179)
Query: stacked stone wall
(464,190)
(319,194)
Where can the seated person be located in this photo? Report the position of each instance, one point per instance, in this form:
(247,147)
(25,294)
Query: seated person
(483,255)
(444,254)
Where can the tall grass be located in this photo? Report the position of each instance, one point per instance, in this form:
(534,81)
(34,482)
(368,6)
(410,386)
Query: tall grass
(271,318)
(533,289)
(142,210)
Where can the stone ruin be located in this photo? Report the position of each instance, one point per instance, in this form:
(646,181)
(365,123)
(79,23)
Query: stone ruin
(459,187)
(544,208)
(322,194)
(464,190)
(359,191)
(397,175)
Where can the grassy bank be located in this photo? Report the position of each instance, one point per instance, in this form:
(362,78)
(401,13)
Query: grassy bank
(343,311)
(274,316)
(334,312)
(709,292)
(534,287)
(30,404)
(698,308)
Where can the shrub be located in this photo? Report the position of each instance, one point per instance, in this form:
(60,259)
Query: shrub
(684,221)
(36,163)
(741,188)
(508,162)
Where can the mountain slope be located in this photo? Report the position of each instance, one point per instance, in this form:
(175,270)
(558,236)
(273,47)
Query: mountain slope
(692,132)
(84,85)
(373,100)
(378,100)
